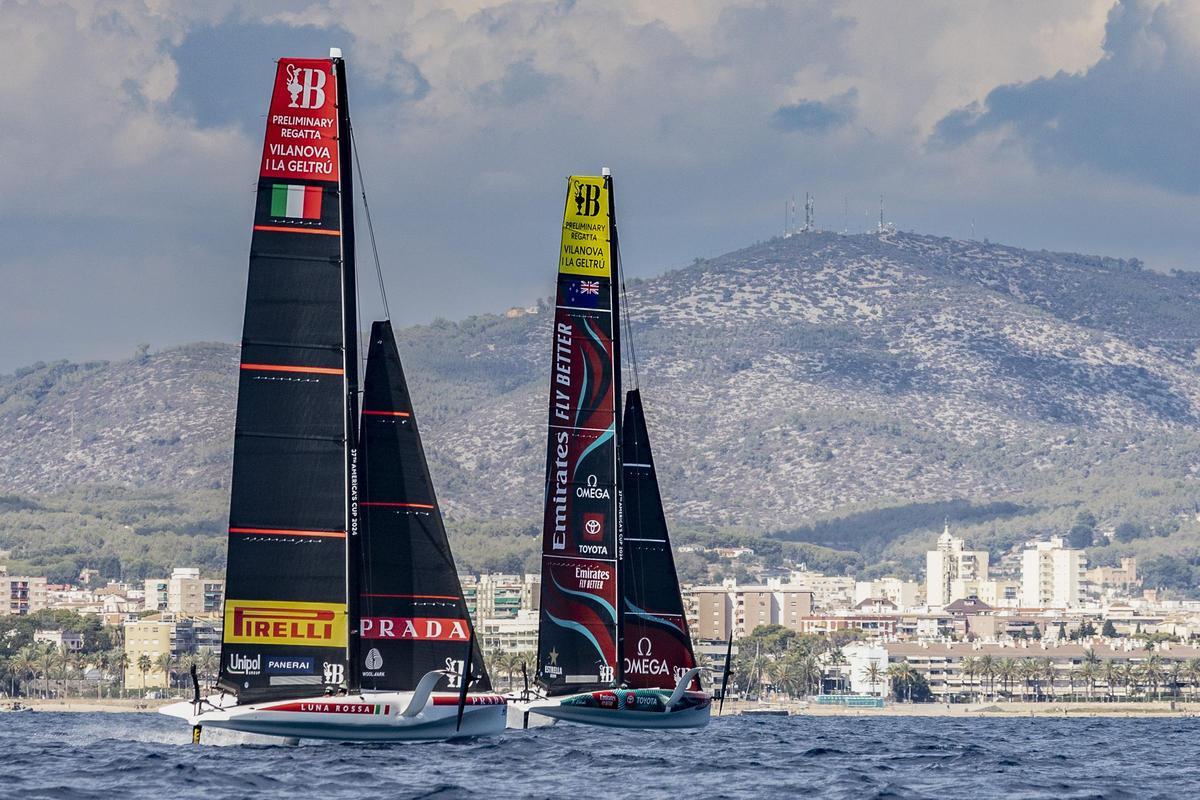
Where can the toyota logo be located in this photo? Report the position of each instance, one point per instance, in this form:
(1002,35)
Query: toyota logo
(592,527)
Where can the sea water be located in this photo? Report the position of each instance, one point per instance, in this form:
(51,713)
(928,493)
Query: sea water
(72,756)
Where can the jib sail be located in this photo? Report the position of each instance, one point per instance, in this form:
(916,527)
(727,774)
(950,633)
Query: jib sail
(414,618)
(285,621)
(578,630)
(656,646)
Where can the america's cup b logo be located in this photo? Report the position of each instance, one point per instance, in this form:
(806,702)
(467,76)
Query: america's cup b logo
(587,199)
(306,86)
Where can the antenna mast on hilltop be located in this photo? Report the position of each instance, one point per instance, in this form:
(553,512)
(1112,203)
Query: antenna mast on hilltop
(881,213)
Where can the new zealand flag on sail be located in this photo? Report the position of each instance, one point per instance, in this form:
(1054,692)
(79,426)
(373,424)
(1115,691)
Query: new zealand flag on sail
(584,293)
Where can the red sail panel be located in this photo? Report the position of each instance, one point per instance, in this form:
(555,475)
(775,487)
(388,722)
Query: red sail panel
(577,641)
(285,632)
(302,130)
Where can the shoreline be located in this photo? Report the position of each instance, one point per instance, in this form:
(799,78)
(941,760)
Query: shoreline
(1001,709)
(1162,708)
(87,705)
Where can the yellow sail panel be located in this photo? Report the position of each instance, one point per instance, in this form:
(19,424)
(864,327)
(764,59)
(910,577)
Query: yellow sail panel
(585,246)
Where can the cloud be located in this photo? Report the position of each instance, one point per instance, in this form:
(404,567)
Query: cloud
(1130,114)
(134,131)
(816,115)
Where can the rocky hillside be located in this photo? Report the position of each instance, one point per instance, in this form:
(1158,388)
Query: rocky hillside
(844,390)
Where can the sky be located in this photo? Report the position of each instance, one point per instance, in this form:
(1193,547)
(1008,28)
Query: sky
(132,129)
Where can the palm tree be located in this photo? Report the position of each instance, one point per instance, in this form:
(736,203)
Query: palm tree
(1192,670)
(1006,668)
(184,667)
(1090,672)
(1030,672)
(987,668)
(120,661)
(874,675)
(1153,671)
(836,659)
(969,668)
(1175,677)
(810,673)
(1129,679)
(1049,672)
(144,665)
(902,675)
(25,665)
(1112,676)
(47,658)
(783,675)
(166,664)
(522,660)
(61,669)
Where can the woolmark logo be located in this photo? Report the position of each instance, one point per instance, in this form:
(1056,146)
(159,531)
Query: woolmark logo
(374,659)
(306,86)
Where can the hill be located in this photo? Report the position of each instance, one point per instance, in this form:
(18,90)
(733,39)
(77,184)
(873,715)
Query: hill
(835,394)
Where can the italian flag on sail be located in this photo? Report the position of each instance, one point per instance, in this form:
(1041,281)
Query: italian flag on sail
(294,201)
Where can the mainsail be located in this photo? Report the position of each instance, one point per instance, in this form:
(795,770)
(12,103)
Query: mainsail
(285,625)
(656,646)
(578,631)
(414,618)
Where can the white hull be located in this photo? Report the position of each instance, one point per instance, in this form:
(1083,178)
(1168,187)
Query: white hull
(693,714)
(373,716)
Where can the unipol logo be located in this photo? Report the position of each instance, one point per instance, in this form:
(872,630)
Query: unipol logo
(306,86)
(587,199)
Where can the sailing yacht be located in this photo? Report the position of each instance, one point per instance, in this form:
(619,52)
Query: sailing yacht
(344,617)
(613,642)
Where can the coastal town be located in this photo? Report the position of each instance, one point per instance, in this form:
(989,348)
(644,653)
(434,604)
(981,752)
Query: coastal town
(1036,625)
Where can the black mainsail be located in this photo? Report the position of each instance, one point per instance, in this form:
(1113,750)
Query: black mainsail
(578,630)
(286,621)
(414,618)
(656,646)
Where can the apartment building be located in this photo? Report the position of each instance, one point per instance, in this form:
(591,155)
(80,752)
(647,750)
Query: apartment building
(1052,575)
(21,595)
(952,571)
(720,609)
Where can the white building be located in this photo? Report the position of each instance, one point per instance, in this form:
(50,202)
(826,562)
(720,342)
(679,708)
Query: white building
(860,656)
(951,571)
(517,634)
(902,594)
(1051,575)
